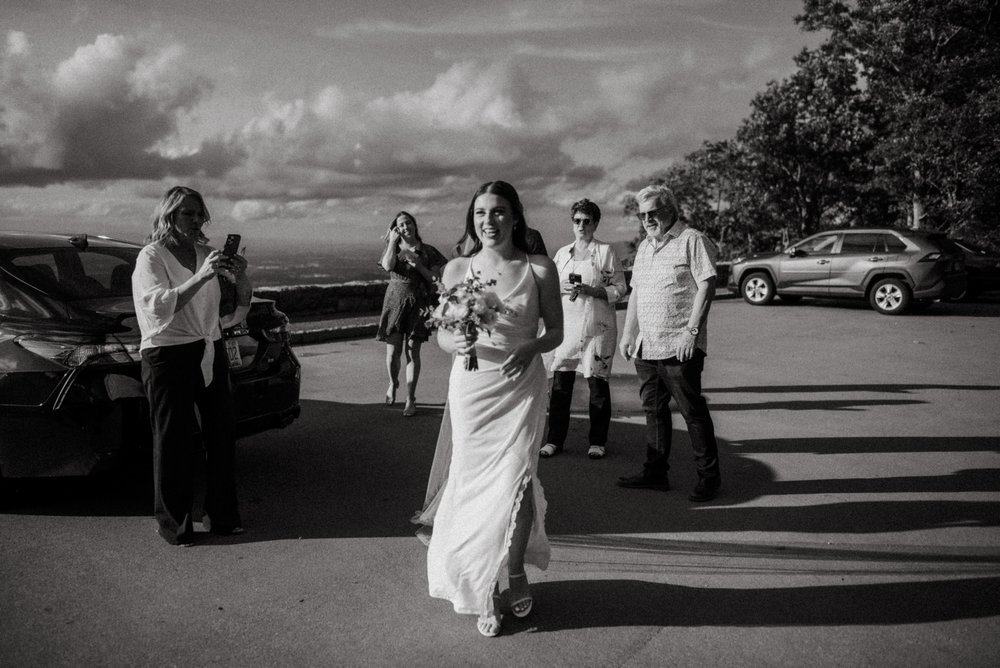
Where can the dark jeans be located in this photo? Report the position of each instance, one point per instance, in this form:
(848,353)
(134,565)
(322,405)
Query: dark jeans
(174,385)
(659,381)
(562,397)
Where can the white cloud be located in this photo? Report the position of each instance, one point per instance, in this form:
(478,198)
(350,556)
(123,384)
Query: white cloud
(580,111)
(17,43)
(247,210)
(464,97)
(103,113)
(760,52)
(524,17)
(473,121)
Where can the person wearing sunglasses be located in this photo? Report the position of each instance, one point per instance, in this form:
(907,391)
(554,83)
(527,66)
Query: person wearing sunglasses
(591,280)
(666,333)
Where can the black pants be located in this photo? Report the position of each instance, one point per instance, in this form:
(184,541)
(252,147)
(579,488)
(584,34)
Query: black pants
(562,397)
(174,385)
(659,381)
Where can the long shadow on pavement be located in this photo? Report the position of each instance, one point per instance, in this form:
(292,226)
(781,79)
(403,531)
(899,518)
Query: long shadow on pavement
(985,307)
(831,404)
(360,470)
(888,388)
(592,604)
(365,475)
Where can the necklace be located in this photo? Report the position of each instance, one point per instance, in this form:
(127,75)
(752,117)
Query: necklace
(494,268)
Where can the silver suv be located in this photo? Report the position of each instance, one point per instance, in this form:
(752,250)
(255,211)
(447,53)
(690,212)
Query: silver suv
(891,268)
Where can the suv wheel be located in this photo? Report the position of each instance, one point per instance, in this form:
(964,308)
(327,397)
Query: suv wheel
(890,296)
(757,289)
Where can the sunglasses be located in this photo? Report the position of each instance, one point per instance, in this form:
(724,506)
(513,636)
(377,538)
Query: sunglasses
(643,216)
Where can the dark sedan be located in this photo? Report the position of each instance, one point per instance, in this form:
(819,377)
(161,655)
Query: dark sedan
(71,398)
(982,267)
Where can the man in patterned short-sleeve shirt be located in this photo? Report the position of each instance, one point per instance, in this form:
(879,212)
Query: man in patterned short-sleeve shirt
(673,280)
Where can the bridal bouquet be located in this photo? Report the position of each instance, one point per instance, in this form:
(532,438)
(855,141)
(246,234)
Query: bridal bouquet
(469,307)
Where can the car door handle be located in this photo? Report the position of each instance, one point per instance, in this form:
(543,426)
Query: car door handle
(822,262)
(876,259)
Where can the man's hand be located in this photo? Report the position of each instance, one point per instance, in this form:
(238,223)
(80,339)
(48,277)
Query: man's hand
(686,349)
(627,348)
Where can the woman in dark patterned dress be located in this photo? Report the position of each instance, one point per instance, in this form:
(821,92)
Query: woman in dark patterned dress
(413,268)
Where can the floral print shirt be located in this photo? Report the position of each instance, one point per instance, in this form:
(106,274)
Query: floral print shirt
(665,281)
(590,326)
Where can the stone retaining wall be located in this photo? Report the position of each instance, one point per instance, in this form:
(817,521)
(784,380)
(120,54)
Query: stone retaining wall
(358,297)
(326,299)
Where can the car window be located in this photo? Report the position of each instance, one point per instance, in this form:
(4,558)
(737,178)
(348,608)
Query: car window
(73,274)
(891,243)
(861,242)
(821,244)
(15,301)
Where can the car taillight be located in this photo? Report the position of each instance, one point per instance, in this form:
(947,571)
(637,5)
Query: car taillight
(932,257)
(278,331)
(76,354)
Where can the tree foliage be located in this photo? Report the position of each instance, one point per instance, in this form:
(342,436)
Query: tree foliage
(932,72)
(891,121)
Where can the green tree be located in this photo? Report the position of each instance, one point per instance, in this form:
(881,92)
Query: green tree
(892,119)
(931,70)
(806,138)
(718,195)
(696,186)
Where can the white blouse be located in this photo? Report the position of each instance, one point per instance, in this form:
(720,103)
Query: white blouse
(590,326)
(157,276)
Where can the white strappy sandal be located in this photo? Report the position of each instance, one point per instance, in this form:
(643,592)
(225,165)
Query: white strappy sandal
(521,608)
(489,624)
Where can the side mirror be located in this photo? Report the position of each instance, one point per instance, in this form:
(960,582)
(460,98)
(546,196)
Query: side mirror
(793,252)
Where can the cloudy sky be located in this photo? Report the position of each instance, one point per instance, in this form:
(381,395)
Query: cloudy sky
(317,120)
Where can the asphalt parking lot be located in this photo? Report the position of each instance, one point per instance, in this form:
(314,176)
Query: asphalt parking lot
(859,523)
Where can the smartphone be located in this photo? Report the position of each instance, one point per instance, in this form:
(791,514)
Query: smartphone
(232,245)
(577,279)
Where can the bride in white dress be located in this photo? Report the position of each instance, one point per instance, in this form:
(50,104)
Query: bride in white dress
(490,510)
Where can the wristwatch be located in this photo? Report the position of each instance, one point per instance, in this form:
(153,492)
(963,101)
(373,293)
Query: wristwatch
(694,331)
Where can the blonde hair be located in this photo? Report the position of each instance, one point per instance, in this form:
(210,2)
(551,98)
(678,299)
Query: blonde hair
(164,229)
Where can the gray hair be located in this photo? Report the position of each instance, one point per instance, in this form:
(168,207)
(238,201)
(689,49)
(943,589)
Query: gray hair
(661,196)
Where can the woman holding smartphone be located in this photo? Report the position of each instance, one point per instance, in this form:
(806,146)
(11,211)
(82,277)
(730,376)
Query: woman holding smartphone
(591,281)
(178,287)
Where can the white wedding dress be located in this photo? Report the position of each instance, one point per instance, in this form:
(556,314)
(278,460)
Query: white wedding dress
(494,432)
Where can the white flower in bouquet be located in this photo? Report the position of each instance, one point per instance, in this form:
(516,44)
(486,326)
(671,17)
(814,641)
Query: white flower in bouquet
(468,306)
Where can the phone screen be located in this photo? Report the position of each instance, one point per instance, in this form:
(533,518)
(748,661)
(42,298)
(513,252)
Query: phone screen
(232,245)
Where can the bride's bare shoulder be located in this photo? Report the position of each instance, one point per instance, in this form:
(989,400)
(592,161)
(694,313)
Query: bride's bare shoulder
(542,264)
(455,270)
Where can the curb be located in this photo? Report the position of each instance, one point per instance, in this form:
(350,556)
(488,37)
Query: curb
(367,330)
(307,336)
